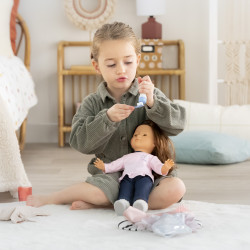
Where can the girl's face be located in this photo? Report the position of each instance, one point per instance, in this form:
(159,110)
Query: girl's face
(143,139)
(117,63)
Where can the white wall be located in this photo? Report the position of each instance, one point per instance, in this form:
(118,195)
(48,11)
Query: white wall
(185,19)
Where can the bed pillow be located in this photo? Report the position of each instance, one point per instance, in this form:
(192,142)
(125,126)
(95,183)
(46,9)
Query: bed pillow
(208,147)
(233,120)
(5,13)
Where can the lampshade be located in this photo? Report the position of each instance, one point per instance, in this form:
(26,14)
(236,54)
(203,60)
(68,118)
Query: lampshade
(150,7)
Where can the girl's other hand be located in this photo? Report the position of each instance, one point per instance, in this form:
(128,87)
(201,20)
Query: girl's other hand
(119,112)
(147,87)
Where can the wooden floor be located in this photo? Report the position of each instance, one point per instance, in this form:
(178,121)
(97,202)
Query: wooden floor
(50,168)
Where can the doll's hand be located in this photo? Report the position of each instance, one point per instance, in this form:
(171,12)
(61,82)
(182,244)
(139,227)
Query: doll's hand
(99,164)
(147,87)
(167,166)
(119,112)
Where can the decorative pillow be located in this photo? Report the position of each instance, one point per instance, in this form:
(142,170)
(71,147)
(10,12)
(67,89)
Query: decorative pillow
(232,120)
(13,25)
(208,147)
(5,12)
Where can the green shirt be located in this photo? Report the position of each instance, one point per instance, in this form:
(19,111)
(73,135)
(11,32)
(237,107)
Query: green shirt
(94,133)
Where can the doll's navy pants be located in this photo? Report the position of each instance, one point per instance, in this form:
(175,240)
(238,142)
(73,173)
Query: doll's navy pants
(132,189)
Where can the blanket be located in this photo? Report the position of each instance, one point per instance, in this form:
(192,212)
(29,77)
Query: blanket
(17,96)
(12,172)
(16,88)
(20,213)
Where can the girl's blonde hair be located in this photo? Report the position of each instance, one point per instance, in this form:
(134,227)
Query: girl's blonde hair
(164,147)
(114,31)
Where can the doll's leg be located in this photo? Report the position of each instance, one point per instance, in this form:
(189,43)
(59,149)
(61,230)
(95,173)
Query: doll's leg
(169,191)
(143,186)
(79,192)
(125,195)
(126,189)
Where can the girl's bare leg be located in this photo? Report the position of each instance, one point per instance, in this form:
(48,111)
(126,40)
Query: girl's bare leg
(168,192)
(85,192)
(81,205)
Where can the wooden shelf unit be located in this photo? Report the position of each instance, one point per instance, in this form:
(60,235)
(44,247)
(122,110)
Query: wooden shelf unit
(82,70)
(179,71)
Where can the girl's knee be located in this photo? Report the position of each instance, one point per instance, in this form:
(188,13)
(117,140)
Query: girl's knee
(169,191)
(179,187)
(175,190)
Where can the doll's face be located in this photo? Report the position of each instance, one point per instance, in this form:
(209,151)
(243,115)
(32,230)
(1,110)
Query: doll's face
(143,139)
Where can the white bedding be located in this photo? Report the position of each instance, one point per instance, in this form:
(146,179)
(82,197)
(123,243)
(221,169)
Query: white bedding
(12,172)
(17,96)
(16,88)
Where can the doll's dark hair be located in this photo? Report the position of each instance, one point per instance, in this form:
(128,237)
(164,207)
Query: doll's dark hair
(164,147)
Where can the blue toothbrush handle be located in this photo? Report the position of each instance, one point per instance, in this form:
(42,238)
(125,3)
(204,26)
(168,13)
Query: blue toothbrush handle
(143,98)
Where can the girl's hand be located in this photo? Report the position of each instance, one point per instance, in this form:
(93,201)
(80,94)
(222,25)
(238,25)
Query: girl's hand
(147,87)
(119,112)
(99,164)
(167,166)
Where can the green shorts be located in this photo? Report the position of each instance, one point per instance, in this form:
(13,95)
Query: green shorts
(109,183)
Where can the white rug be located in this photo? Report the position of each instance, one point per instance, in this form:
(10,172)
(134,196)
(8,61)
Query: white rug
(225,227)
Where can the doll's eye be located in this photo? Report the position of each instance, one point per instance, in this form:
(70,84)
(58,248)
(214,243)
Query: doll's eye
(144,134)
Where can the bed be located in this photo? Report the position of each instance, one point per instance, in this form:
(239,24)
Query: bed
(23,39)
(17,96)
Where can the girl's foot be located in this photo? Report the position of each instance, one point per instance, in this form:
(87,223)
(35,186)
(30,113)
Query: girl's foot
(81,205)
(37,200)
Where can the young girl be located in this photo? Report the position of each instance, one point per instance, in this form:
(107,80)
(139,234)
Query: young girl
(106,120)
(151,147)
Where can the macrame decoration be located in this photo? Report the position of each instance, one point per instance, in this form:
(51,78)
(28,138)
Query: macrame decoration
(235,36)
(232,50)
(237,72)
(89,19)
(247,73)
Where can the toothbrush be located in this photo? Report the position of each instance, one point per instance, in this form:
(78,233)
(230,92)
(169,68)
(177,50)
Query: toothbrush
(142,101)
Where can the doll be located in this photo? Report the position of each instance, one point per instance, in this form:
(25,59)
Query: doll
(151,147)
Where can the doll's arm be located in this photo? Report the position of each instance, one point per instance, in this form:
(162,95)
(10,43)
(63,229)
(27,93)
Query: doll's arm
(167,166)
(99,164)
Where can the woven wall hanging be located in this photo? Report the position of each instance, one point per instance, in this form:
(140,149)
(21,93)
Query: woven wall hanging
(87,19)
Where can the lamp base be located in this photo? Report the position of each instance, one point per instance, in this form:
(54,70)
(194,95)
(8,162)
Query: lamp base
(151,29)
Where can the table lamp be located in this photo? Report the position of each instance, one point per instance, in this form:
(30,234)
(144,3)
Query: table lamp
(151,29)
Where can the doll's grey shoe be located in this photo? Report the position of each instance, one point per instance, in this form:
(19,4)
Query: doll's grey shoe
(141,205)
(120,206)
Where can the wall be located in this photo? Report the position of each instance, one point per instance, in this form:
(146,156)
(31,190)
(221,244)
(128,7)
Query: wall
(185,19)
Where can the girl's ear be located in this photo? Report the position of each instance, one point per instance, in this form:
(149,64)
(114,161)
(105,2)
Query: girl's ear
(96,66)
